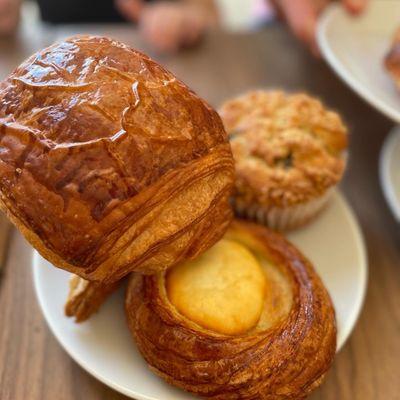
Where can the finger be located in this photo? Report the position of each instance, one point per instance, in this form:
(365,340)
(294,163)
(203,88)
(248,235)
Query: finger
(301,17)
(355,6)
(8,25)
(130,9)
(320,5)
(159,27)
(191,32)
(8,8)
(277,8)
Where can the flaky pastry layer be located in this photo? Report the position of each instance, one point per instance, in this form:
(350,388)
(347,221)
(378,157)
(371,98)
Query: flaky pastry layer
(110,164)
(86,297)
(279,359)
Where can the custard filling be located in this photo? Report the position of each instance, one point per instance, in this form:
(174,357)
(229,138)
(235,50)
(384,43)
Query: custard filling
(223,290)
(232,289)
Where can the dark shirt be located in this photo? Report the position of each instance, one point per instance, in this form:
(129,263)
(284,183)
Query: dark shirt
(70,11)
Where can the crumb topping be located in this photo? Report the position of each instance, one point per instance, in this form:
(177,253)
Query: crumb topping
(287,148)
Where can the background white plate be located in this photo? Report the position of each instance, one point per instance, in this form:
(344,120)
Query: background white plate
(103,345)
(356,47)
(389,170)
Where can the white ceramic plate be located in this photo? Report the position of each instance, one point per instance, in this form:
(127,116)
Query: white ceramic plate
(356,47)
(103,345)
(389,170)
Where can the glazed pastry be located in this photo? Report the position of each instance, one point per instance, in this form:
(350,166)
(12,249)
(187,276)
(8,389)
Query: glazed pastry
(248,319)
(289,153)
(392,60)
(86,297)
(110,164)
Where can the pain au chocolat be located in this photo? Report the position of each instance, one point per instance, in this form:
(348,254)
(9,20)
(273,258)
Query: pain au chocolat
(248,319)
(108,163)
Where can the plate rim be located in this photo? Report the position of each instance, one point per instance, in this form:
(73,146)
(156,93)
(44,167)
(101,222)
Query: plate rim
(360,247)
(35,261)
(385,159)
(325,19)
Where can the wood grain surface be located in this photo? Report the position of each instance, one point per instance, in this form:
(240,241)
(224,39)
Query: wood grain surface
(5,229)
(32,364)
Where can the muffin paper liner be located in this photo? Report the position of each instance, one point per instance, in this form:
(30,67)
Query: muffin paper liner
(285,218)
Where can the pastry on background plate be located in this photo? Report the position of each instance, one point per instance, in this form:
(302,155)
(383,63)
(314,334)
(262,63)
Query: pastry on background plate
(109,163)
(248,319)
(392,59)
(289,151)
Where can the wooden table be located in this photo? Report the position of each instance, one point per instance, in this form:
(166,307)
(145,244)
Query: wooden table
(32,364)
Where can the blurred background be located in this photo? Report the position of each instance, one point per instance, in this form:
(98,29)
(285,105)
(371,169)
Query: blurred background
(220,48)
(161,27)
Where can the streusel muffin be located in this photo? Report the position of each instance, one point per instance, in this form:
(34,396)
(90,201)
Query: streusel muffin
(289,153)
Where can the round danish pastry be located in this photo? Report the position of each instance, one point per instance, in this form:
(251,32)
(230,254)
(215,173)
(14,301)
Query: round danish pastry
(248,319)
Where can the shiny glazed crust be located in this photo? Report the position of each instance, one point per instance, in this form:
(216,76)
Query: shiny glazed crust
(288,148)
(110,164)
(286,361)
(392,59)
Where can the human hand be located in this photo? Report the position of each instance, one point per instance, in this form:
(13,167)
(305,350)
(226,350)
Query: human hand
(168,26)
(9,16)
(302,15)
